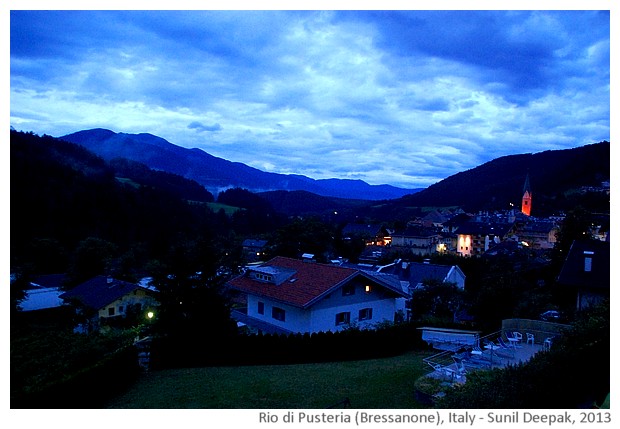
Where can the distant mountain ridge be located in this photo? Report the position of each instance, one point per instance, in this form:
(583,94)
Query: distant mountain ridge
(217,174)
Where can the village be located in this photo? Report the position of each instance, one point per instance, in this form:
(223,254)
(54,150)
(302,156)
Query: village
(286,295)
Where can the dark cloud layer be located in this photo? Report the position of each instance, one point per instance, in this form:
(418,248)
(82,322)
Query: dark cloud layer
(399,97)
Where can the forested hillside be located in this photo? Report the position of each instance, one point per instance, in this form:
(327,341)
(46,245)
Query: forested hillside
(69,205)
(555,178)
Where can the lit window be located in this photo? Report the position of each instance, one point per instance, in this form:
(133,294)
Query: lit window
(368,288)
(365,314)
(343,318)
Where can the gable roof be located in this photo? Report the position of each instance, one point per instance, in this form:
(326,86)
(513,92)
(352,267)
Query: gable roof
(100,291)
(41,298)
(573,271)
(301,284)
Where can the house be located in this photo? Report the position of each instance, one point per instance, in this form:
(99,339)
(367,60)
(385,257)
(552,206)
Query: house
(475,238)
(586,271)
(372,234)
(436,219)
(109,298)
(254,250)
(417,274)
(537,234)
(417,239)
(287,295)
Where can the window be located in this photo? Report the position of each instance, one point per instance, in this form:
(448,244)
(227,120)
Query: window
(365,314)
(367,288)
(261,308)
(263,277)
(120,308)
(348,290)
(278,314)
(587,267)
(111,311)
(343,318)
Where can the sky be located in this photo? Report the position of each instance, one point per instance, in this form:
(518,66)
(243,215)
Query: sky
(399,97)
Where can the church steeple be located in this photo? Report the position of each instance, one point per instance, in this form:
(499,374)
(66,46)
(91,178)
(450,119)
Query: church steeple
(526,201)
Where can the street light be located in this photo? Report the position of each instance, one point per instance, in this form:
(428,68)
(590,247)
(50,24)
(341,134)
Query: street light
(150,315)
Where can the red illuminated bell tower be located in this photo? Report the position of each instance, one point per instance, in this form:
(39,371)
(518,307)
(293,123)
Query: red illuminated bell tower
(526,201)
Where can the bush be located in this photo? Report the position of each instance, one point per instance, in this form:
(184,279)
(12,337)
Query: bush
(350,344)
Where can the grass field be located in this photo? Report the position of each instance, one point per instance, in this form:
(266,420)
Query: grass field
(374,384)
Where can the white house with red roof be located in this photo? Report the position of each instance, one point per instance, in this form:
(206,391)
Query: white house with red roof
(287,295)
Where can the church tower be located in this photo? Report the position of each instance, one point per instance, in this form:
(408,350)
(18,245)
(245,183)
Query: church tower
(526,201)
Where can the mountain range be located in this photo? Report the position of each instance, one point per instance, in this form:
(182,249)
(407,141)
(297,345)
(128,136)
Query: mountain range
(217,174)
(497,184)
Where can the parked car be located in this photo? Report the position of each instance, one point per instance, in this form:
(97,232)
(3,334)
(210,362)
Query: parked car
(550,316)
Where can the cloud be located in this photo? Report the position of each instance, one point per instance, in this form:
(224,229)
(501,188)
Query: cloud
(202,128)
(386,96)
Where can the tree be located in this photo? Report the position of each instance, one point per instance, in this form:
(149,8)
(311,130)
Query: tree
(436,299)
(309,235)
(192,300)
(575,226)
(92,257)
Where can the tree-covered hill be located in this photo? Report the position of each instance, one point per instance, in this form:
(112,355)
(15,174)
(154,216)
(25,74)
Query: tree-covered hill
(61,195)
(553,176)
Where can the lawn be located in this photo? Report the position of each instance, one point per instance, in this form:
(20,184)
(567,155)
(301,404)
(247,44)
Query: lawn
(374,384)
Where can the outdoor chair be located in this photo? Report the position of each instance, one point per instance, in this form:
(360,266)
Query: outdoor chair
(460,367)
(518,336)
(505,347)
(547,343)
(513,339)
(530,338)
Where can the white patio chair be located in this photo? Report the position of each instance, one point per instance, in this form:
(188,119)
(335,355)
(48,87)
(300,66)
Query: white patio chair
(518,336)
(530,338)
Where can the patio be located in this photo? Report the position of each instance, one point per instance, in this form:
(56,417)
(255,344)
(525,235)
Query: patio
(453,365)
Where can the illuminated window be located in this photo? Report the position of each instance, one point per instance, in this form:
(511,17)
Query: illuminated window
(368,288)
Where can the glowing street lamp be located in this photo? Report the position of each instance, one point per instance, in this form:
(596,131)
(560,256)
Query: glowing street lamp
(150,315)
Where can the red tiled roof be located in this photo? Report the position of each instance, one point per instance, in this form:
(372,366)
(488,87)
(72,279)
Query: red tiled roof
(311,281)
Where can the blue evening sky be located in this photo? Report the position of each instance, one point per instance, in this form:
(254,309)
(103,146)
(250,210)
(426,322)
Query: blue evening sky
(399,97)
